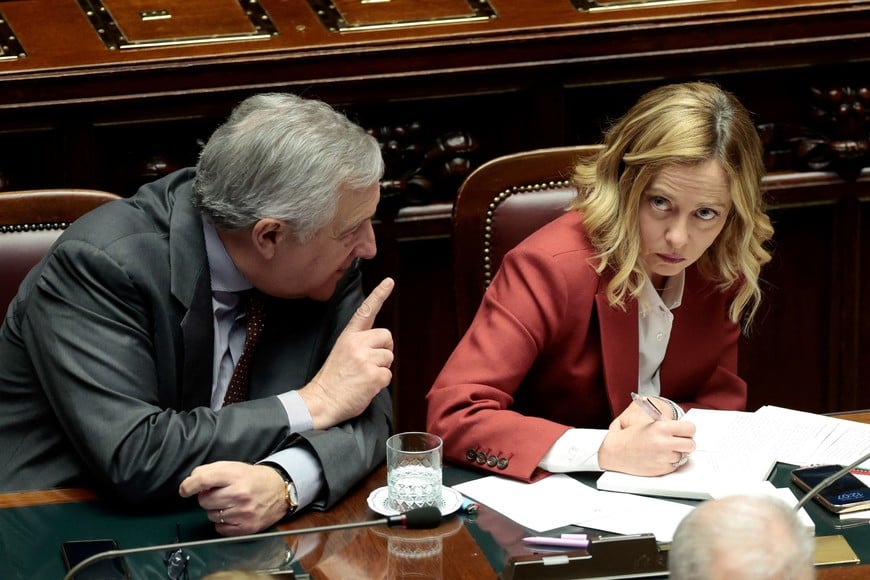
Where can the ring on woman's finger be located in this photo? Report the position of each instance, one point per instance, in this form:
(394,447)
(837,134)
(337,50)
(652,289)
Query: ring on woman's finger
(684,457)
(221,516)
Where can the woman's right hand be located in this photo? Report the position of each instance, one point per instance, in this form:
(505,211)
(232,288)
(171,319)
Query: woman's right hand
(649,448)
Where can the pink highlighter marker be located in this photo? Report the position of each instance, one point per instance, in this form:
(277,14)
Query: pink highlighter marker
(574,536)
(560,542)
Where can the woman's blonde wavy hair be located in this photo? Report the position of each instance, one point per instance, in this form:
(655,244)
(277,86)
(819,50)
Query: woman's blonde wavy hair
(677,124)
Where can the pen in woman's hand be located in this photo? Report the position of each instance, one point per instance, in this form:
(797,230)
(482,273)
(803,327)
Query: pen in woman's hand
(653,412)
(648,406)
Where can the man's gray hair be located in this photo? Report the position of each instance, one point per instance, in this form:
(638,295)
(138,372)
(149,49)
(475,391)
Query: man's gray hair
(279,155)
(742,536)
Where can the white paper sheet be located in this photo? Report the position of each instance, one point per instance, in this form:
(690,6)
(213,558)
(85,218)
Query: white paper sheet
(803,438)
(543,505)
(736,448)
(560,500)
(624,513)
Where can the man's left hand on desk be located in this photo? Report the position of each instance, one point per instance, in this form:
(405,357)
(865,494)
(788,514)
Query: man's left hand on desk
(239,498)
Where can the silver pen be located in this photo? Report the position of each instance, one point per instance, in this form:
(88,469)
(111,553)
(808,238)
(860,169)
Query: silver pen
(648,406)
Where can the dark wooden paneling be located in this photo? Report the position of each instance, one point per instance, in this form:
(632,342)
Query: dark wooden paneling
(859,393)
(445,98)
(789,349)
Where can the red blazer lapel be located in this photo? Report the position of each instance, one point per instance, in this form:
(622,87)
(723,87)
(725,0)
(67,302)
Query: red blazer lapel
(619,350)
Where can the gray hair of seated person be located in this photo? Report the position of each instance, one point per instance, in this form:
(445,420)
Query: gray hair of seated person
(281,156)
(742,536)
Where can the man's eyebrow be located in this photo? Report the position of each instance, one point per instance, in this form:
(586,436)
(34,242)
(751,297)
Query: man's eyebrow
(355,226)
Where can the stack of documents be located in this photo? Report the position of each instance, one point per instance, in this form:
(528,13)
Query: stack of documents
(736,452)
(735,449)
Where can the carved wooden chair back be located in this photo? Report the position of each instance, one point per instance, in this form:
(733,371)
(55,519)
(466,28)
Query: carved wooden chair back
(497,206)
(30,222)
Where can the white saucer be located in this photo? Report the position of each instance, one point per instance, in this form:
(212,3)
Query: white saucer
(379,498)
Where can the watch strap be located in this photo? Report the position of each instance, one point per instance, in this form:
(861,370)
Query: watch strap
(291,497)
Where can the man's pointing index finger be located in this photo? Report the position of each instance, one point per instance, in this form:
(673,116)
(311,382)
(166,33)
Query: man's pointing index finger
(364,317)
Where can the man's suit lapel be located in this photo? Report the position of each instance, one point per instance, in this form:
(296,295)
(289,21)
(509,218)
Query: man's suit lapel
(191,285)
(619,349)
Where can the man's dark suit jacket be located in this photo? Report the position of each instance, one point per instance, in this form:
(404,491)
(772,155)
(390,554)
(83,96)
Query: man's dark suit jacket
(106,362)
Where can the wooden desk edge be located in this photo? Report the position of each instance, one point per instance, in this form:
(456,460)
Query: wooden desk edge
(862,416)
(45,496)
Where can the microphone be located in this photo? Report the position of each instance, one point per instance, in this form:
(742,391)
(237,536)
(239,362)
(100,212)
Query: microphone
(415,519)
(828,481)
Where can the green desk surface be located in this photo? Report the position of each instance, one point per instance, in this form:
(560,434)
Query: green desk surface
(495,534)
(31,537)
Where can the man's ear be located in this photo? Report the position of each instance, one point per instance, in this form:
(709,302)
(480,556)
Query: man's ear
(266,234)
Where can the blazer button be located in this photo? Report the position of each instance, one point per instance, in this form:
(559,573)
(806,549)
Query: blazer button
(491,460)
(502,463)
(481,458)
(471,455)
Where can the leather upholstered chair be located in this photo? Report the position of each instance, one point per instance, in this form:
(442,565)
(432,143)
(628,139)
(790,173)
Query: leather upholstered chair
(498,205)
(30,222)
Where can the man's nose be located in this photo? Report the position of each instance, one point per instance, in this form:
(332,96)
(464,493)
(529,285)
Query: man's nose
(367,248)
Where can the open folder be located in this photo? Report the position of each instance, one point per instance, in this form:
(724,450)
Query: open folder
(735,448)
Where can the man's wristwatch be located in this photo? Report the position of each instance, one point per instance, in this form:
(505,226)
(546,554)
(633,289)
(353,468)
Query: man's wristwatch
(290,494)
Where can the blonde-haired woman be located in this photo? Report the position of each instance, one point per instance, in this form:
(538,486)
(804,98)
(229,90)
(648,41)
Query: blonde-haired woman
(641,287)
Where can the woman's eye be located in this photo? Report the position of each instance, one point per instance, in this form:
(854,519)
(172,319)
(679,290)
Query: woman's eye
(707,214)
(659,203)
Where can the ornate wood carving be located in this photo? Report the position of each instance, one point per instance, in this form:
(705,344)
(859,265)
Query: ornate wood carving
(421,168)
(837,137)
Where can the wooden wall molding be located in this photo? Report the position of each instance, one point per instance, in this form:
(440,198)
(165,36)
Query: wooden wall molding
(444,97)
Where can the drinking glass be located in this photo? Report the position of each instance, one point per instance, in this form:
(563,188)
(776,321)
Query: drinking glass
(414,471)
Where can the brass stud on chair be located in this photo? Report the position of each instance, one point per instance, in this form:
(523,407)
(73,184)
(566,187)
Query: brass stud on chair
(490,218)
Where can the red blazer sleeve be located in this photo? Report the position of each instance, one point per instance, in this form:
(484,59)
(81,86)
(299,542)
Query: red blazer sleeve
(546,352)
(493,402)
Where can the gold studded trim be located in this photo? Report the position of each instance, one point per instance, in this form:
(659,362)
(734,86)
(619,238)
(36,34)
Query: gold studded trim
(488,272)
(11,229)
(10,46)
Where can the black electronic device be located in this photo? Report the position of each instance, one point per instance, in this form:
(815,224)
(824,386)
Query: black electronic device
(843,495)
(76,551)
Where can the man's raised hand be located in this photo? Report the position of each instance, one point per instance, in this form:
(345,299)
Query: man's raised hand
(358,367)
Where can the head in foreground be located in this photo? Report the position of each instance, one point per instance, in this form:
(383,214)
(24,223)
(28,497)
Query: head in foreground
(741,536)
